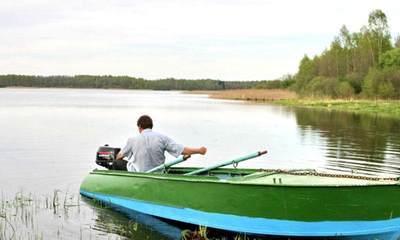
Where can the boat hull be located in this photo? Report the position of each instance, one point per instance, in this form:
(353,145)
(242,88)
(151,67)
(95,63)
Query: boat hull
(252,208)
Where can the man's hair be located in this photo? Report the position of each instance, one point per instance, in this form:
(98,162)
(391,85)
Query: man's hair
(145,122)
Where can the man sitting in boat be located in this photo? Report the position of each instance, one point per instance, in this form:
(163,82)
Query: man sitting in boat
(146,151)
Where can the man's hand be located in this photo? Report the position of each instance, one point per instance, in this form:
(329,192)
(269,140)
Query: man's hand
(120,156)
(203,150)
(190,150)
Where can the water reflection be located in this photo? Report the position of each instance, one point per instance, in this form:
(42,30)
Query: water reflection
(130,224)
(366,143)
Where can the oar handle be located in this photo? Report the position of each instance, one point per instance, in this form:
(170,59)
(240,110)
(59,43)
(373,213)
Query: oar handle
(262,152)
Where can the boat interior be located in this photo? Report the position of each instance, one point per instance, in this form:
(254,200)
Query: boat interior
(293,177)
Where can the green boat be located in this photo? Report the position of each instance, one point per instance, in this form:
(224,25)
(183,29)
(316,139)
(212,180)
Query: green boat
(257,201)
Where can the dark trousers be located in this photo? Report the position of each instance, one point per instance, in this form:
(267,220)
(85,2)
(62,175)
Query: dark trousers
(119,165)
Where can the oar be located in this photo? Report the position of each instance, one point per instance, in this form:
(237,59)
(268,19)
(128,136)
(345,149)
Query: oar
(169,164)
(234,161)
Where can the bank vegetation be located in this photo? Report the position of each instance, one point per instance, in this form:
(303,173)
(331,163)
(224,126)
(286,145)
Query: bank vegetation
(364,64)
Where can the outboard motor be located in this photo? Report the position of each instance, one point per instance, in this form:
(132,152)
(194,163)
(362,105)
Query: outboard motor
(106,155)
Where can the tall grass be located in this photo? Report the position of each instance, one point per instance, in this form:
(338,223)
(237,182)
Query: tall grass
(63,215)
(21,217)
(251,94)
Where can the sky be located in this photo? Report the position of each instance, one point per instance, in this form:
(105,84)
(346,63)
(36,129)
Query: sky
(191,39)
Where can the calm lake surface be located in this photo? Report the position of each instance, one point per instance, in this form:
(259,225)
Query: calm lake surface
(49,138)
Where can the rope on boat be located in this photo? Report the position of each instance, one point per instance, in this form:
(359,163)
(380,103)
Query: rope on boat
(336,175)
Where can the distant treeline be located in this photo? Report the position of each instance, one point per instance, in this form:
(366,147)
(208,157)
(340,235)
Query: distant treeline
(125,82)
(358,64)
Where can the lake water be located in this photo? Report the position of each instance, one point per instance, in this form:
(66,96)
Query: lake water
(49,138)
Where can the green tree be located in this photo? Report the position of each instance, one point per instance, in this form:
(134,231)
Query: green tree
(347,42)
(390,59)
(397,42)
(332,62)
(378,33)
(392,75)
(307,71)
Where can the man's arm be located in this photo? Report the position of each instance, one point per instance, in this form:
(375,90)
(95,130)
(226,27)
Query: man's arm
(176,149)
(125,151)
(191,150)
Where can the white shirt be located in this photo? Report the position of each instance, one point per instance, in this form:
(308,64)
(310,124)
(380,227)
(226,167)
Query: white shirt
(146,151)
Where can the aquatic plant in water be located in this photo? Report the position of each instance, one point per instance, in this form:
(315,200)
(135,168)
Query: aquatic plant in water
(25,216)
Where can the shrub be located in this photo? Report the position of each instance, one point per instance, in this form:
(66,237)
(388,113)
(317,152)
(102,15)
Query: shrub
(346,90)
(315,87)
(386,90)
(327,87)
(370,84)
(356,82)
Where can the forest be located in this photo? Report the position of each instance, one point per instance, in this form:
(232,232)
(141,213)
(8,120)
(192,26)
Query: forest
(120,82)
(364,64)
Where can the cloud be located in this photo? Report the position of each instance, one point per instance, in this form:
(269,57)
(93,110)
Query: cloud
(232,40)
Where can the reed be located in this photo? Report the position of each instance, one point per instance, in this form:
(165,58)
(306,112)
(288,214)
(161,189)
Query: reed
(250,94)
(21,215)
(203,233)
(199,234)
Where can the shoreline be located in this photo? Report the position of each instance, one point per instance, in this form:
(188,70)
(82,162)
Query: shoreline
(387,108)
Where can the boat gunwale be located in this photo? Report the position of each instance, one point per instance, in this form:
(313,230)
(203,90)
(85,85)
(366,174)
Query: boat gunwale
(216,180)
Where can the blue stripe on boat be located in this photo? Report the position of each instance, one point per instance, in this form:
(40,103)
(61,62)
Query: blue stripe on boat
(252,225)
